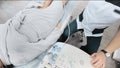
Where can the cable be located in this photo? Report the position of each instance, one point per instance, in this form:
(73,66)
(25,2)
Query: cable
(68,31)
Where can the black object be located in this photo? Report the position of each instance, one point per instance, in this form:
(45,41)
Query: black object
(117,64)
(117,11)
(9,66)
(82,30)
(81,16)
(93,44)
(115,2)
(104,51)
(98,31)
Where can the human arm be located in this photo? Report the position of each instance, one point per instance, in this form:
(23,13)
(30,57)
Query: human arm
(114,44)
(99,58)
(1,64)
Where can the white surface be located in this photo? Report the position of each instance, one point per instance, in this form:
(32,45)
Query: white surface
(63,55)
(69,57)
(116,55)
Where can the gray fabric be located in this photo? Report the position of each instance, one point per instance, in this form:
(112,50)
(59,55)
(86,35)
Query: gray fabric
(38,23)
(18,38)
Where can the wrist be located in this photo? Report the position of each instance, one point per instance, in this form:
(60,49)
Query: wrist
(107,54)
(108,50)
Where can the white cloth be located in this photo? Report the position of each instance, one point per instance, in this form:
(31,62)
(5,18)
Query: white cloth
(98,14)
(17,47)
(116,55)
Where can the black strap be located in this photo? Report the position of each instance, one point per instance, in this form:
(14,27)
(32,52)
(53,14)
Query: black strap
(104,51)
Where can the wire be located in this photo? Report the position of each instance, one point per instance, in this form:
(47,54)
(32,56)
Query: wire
(68,31)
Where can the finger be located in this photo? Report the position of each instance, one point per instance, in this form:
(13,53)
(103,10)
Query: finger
(93,55)
(98,64)
(103,66)
(94,60)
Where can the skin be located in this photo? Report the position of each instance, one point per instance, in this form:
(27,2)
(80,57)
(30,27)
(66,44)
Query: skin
(99,59)
(1,64)
(46,4)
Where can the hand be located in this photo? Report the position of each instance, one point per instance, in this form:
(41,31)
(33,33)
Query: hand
(1,64)
(99,60)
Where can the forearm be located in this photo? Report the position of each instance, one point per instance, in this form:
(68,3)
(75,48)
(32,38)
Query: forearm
(1,64)
(114,44)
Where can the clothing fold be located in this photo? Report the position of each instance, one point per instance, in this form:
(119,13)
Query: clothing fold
(15,45)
